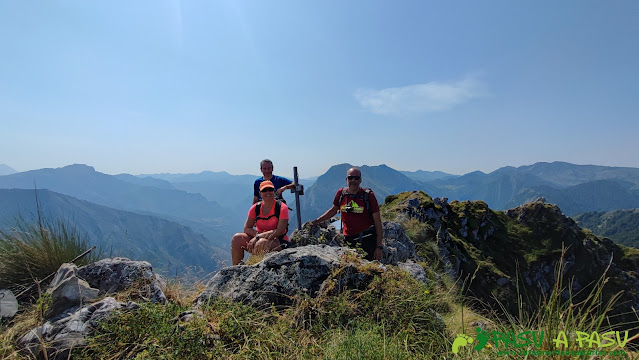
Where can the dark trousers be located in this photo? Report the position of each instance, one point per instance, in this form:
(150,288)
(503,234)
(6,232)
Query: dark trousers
(367,240)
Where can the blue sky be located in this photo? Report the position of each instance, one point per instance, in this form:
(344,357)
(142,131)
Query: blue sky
(186,86)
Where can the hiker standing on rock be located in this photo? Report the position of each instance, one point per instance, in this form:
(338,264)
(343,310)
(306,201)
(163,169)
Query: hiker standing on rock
(281,183)
(270,219)
(361,221)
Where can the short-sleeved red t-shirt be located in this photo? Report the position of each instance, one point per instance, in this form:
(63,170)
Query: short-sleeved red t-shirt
(359,219)
(270,224)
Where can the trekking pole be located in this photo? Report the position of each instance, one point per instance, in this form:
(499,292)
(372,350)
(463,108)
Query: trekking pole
(298,190)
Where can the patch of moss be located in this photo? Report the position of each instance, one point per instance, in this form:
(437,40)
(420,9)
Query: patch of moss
(393,203)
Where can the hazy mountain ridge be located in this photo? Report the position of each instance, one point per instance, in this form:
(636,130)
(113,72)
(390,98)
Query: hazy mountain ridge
(501,188)
(598,195)
(85,183)
(124,233)
(622,226)
(382,179)
(563,174)
(6,170)
(423,175)
(222,176)
(497,189)
(145,181)
(575,188)
(215,203)
(234,192)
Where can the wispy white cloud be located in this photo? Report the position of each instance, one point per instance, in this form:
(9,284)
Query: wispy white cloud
(421,98)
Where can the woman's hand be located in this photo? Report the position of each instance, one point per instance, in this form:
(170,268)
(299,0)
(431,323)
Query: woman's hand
(251,244)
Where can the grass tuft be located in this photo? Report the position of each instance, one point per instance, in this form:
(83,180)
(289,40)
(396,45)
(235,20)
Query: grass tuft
(33,250)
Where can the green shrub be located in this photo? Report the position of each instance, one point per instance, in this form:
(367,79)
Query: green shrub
(367,341)
(33,250)
(393,303)
(149,333)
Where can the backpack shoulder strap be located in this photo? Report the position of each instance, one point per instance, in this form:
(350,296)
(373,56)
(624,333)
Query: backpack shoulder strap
(341,196)
(276,212)
(258,207)
(367,203)
(278,207)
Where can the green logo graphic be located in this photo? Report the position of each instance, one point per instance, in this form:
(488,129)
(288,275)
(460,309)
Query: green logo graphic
(482,338)
(352,207)
(461,341)
(528,343)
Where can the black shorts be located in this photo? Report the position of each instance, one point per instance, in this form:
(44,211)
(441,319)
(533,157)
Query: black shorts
(367,240)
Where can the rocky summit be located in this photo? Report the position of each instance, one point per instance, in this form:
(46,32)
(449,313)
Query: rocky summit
(303,269)
(495,252)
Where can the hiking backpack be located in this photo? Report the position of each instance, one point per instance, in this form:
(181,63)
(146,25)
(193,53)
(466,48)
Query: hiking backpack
(276,213)
(365,196)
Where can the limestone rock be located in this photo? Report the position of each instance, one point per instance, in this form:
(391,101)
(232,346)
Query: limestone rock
(415,270)
(399,247)
(8,304)
(67,290)
(117,274)
(68,330)
(283,275)
(322,233)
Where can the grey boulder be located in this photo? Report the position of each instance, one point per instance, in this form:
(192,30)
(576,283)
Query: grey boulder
(68,330)
(399,247)
(67,290)
(283,275)
(8,304)
(118,274)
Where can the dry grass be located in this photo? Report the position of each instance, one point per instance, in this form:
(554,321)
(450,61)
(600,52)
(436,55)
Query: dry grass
(22,323)
(181,292)
(254,259)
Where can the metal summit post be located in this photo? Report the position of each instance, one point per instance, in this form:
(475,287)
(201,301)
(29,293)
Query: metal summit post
(298,190)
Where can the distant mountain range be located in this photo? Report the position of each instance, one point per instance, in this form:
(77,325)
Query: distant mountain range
(215,204)
(233,192)
(167,245)
(421,175)
(598,195)
(144,196)
(85,183)
(146,181)
(382,179)
(6,170)
(621,226)
(575,188)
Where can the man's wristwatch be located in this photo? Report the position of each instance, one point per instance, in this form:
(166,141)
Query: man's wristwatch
(381,247)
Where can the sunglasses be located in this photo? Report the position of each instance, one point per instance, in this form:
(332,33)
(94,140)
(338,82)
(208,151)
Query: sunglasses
(267,190)
(353,177)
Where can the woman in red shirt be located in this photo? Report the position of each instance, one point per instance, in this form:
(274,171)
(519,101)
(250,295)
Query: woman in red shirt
(270,229)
